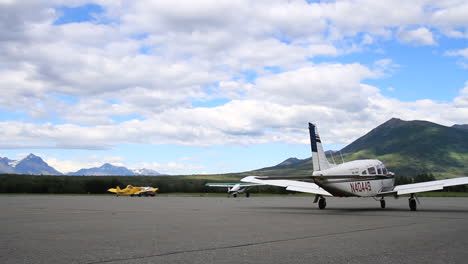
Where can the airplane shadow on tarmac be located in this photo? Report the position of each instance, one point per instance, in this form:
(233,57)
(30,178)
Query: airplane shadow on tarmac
(343,210)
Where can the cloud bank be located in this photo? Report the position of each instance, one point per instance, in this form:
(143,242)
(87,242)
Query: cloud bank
(208,72)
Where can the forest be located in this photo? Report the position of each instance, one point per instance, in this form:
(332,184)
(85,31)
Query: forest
(18,183)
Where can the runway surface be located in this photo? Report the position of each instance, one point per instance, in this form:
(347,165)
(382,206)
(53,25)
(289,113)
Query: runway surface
(105,229)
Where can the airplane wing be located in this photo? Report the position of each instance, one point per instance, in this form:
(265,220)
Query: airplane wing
(229,184)
(426,186)
(146,189)
(298,186)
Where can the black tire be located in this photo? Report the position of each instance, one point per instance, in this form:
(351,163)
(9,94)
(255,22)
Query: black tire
(139,195)
(412,204)
(131,195)
(247,195)
(322,203)
(382,204)
(234,195)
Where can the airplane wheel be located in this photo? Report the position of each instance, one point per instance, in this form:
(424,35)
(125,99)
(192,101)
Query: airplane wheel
(322,203)
(412,204)
(234,195)
(382,204)
(131,195)
(247,195)
(139,195)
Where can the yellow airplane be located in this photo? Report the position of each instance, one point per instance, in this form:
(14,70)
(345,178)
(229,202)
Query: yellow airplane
(134,191)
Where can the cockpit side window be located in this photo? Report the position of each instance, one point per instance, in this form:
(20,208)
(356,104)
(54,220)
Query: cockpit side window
(384,171)
(371,170)
(364,172)
(379,171)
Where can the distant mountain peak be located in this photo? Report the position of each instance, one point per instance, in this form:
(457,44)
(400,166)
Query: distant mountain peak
(393,122)
(290,161)
(395,119)
(108,166)
(33,164)
(113,170)
(30,157)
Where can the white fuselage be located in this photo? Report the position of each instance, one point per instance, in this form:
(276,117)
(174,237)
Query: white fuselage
(362,178)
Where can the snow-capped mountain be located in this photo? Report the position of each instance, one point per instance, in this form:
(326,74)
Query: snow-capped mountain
(111,170)
(106,169)
(148,172)
(30,164)
(33,164)
(5,166)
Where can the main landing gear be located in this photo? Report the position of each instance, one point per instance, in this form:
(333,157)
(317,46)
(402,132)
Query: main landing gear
(412,202)
(322,203)
(382,203)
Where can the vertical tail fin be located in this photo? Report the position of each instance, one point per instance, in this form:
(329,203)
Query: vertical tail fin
(118,188)
(319,160)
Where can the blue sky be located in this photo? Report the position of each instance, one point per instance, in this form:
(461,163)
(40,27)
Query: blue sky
(183,89)
(78,14)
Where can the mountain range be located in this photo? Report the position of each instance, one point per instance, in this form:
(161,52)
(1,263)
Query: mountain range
(407,148)
(33,164)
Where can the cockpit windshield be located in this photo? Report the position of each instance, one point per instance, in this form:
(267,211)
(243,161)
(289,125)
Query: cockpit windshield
(381,170)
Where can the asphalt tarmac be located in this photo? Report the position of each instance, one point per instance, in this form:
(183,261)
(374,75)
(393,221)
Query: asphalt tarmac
(106,229)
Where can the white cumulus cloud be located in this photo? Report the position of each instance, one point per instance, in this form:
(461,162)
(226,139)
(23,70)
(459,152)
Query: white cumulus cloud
(420,36)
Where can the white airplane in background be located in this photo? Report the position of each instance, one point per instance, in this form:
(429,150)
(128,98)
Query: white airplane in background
(234,188)
(358,178)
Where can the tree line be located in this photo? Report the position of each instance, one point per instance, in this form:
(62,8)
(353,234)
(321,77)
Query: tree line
(17,183)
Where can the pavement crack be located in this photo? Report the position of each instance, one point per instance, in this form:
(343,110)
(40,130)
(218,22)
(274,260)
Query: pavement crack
(253,243)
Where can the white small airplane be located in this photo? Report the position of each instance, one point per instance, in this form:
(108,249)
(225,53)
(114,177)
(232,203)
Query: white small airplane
(358,178)
(234,188)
